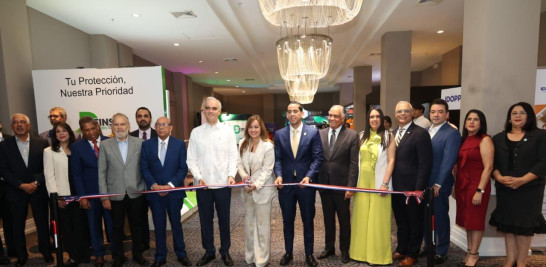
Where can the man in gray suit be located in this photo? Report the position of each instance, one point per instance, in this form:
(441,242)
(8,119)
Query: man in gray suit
(119,173)
(339,167)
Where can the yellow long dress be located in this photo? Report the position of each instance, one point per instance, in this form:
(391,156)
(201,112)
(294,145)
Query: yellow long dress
(371,220)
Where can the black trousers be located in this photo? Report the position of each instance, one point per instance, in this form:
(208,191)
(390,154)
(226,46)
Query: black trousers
(409,220)
(75,232)
(19,212)
(133,209)
(208,200)
(6,223)
(335,203)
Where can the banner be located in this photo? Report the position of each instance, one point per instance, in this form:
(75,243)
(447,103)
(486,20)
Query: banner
(540,98)
(99,93)
(453,97)
(237,122)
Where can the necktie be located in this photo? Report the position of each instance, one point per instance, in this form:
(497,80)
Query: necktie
(96,148)
(144,136)
(162,153)
(332,141)
(399,136)
(295,142)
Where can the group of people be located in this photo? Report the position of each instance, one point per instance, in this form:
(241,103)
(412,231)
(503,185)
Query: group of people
(408,158)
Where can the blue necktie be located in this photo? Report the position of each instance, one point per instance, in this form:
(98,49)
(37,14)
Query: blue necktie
(162,153)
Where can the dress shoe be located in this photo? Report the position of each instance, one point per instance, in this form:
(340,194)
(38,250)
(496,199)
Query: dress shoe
(325,254)
(4,260)
(99,261)
(118,262)
(345,257)
(184,261)
(48,258)
(439,259)
(206,259)
(423,253)
(398,256)
(140,260)
(286,258)
(158,263)
(227,260)
(408,261)
(310,260)
(21,261)
(70,263)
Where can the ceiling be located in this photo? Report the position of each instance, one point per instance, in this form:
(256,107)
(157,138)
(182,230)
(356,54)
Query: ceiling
(236,29)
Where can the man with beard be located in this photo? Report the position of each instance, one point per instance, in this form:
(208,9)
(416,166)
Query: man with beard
(119,173)
(143,117)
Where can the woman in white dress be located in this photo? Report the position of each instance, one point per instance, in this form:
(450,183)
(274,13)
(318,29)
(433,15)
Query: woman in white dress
(255,165)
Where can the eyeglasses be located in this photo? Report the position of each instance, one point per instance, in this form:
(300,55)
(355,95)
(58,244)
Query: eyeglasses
(159,125)
(53,116)
(400,111)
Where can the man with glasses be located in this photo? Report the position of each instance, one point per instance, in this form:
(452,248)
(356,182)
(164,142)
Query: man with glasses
(339,167)
(212,160)
(56,115)
(163,166)
(411,172)
(23,169)
(298,157)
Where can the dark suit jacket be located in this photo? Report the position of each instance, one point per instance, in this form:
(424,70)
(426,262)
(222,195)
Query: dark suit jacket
(529,157)
(15,171)
(173,170)
(308,160)
(340,167)
(84,167)
(413,162)
(135,133)
(6,136)
(445,150)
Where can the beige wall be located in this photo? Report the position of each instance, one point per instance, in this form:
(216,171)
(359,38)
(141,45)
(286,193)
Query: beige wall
(245,104)
(346,94)
(431,75)
(451,66)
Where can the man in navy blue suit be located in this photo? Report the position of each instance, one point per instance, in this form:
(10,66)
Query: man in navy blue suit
(298,158)
(163,166)
(84,169)
(445,148)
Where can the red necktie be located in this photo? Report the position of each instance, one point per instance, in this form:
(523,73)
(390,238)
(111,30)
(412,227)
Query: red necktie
(144,136)
(96,148)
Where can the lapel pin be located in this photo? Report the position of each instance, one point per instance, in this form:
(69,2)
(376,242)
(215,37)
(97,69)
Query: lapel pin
(305,133)
(524,139)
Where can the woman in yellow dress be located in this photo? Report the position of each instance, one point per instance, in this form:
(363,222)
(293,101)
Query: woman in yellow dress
(371,221)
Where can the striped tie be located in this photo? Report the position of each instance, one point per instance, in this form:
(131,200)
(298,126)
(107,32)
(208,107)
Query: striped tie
(399,136)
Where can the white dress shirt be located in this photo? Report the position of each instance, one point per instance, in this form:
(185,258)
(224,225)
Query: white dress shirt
(434,129)
(92,145)
(212,154)
(422,121)
(159,146)
(330,134)
(23,148)
(404,129)
(300,128)
(148,133)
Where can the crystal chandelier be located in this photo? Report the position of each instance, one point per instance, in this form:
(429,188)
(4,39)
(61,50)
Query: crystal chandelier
(304,55)
(302,89)
(318,13)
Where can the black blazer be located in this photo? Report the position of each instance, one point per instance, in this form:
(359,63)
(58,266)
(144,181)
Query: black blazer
(341,167)
(413,162)
(529,156)
(15,171)
(135,133)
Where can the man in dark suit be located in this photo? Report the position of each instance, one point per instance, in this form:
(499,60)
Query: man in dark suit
(445,148)
(22,160)
(143,117)
(298,157)
(411,172)
(84,169)
(339,167)
(163,166)
(119,173)
(4,213)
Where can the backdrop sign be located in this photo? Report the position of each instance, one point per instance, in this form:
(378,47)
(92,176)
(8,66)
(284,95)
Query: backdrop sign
(99,93)
(540,98)
(453,97)
(237,122)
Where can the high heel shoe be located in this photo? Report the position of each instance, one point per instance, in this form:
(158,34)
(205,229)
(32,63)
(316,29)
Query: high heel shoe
(472,256)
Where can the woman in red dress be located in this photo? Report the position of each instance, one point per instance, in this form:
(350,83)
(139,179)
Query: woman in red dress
(472,187)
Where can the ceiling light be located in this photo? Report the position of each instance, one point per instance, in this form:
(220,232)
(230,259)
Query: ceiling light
(309,56)
(216,72)
(243,91)
(237,86)
(228,80)
(440,31)
(176,44)
(136,15)
(200,61)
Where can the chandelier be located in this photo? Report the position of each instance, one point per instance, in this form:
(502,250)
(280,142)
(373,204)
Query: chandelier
(304,55)
(313,13)
(302,89)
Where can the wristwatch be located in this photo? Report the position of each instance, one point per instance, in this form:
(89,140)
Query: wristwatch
(480,190)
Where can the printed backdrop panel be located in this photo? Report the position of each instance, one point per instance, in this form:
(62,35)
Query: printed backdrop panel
(99,93)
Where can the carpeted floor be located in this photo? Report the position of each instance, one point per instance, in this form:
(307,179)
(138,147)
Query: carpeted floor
(192,238)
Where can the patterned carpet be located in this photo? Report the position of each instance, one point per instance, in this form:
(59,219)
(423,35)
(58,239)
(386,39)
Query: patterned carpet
(192,238)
